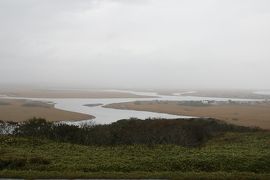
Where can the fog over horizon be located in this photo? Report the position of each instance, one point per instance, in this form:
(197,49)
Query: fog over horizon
(136,43)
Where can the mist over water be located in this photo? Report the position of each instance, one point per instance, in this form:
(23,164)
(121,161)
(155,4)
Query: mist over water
(135,44)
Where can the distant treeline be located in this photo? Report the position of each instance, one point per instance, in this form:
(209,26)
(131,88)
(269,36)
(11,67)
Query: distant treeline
(185,132)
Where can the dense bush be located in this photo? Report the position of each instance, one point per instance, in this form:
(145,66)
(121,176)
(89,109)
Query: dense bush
(35,127)
(186,132)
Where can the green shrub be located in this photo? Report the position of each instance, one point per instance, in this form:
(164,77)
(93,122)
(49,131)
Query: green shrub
(185,132)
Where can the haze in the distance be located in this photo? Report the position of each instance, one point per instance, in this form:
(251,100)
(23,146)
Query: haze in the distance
(136,43)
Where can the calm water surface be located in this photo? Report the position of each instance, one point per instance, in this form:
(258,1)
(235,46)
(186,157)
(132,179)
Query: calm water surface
(108,115)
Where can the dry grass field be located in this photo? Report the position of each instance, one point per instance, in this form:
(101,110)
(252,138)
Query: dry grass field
(21,110)
(257,115)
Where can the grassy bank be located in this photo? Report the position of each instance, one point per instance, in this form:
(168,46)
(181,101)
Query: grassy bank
(19,110)
(231,155)
(244,114)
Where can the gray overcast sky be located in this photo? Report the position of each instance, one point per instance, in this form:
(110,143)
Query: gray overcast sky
(136,43)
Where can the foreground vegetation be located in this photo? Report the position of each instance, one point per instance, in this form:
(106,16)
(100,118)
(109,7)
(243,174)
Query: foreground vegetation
(233,154)
(184,132)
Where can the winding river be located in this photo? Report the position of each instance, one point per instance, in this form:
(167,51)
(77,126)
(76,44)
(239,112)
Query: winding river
(108,115)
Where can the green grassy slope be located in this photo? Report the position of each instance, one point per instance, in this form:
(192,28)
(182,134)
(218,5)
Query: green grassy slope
(233,155)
